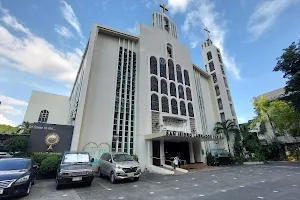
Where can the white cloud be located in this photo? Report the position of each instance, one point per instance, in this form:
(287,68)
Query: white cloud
(33,54)
(10,107)
(200,14)
(63,31)
(5,100)
(178,5)
(135,29)
(265,15)
(70,17)
(5,121)
(242,120)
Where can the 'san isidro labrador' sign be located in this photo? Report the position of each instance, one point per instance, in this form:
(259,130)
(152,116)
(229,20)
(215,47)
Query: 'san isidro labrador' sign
(195,135)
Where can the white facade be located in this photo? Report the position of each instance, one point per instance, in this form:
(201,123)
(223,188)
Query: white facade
(143,95)
(47,108)
(215,67)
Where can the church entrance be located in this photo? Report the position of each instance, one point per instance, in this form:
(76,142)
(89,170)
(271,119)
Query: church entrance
(156,153)
(180,149)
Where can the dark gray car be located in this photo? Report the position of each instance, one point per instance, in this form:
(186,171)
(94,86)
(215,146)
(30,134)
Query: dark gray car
(75,167)
(118,166)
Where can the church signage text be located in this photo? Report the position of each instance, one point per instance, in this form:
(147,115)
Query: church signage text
(194,135)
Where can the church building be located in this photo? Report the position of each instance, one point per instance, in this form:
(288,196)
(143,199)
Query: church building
(144,95)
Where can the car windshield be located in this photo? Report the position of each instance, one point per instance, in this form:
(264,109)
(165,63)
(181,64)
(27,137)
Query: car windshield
(122,157)
(76,158)
(7,165)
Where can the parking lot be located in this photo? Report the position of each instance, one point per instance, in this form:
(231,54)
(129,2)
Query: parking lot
(272,181)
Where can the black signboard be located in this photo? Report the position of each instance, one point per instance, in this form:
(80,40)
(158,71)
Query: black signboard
(50,137)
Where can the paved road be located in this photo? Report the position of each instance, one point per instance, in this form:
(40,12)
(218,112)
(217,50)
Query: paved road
(271,182)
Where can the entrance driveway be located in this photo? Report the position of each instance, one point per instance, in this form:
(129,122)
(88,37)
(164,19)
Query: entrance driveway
(280,180)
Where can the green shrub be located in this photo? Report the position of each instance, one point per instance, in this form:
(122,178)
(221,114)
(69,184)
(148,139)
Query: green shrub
(17,144)
(38,157)
(211,160)
(238,160)
(135,157)
(50,164)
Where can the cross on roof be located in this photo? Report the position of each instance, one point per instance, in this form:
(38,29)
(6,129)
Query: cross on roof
(207,32)
(163,7)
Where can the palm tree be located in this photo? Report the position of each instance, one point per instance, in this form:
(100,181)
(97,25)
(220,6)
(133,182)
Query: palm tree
(25,127)
(262,106)
(226,127)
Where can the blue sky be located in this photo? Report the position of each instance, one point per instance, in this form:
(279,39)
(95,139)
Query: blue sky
(42,42)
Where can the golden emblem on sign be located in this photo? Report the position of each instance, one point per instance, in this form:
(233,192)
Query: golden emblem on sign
(51,139)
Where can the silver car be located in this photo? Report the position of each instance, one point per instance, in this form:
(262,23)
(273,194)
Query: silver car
(118,166)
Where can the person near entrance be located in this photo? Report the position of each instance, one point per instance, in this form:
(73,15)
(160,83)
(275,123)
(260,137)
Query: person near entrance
(175,162)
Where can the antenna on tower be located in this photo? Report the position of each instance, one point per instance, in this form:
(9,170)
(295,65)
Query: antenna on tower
(207,32)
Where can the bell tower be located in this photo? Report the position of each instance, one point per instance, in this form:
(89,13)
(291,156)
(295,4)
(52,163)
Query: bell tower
(163,22)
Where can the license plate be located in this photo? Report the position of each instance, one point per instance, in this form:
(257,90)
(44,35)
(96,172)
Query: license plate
(77,179)
(130,174)
(1,191)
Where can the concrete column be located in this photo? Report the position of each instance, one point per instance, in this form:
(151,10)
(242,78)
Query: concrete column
(197,151)
(150,160)
(192,157)
(162,152)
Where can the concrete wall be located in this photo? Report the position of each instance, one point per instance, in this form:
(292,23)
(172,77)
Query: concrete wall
(57,106)
(97,121)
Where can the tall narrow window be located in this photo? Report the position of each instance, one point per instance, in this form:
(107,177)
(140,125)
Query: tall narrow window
(165,104)
(43,118)
(169,50)
(181,92)
(164,87)
(228,95)
(220,104)
(211,66)
(173,89)
(188,94)
(220,59)
(222,116)
(154,84)
(163,70)
(232,110)
(217,89)
(191,110)
(154,102)
(225,82)
(214,76)
(182,108)
(174,106)
(222,69)
(153,65)
(186,78)
(209,56)
(171,70)
(179,74)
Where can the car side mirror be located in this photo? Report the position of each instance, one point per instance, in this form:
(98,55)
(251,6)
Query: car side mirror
(110,160)
(92,159)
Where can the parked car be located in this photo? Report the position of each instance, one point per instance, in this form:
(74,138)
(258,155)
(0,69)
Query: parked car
(118,166)
(75,167)
(17,175)
(5,155)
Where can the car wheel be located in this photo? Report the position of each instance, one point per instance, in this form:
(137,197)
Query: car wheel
(112,178)
(99,173)
(88,183)
(58,186)
(28,189)
(136,178)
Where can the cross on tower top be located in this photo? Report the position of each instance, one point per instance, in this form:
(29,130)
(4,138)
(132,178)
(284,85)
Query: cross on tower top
(163,7)
(207,32)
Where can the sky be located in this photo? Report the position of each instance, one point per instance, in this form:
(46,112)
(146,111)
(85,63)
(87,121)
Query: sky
(41,42)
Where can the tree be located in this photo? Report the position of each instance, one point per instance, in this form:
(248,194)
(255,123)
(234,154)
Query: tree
(16,144)
(285,118)
(8,129)
(237,145)
(26,127)
(250,140)
(226,127)
(289,64)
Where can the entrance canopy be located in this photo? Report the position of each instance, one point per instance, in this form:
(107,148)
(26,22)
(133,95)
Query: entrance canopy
(182,136)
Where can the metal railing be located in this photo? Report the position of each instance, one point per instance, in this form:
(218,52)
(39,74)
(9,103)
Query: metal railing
(171,161)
